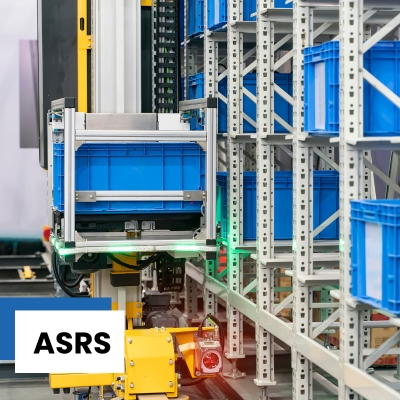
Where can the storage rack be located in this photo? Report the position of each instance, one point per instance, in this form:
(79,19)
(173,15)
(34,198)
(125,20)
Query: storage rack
(309,21)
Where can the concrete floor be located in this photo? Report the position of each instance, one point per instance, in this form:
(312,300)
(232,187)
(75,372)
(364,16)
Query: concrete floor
(42,391)
(29,391)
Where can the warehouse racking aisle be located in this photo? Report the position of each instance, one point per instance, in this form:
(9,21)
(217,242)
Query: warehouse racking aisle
(277,38)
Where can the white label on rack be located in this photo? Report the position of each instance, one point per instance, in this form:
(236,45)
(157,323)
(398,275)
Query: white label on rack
(373,260)
(319,95)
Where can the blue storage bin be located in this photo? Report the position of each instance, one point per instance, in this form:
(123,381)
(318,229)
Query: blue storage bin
(249,107)
(196,91)
(375,253)
(282,107)
(196,17)
(217,13)
(196,86)
(321,89)
(282,4)
(141,166)
(326,202)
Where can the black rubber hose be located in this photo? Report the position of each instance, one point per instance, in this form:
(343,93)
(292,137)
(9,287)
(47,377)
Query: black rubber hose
(221,330)
(191,382)
(123,264)
(73,284)
(220,326)
(143,265)
(60,282)
(86,396)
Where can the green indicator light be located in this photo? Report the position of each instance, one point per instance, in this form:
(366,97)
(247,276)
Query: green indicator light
(123,249)
(341,245)
(63,252)
(117,249)
(187,248)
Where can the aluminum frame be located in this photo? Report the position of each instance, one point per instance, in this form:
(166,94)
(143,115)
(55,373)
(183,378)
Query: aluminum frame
(74,135)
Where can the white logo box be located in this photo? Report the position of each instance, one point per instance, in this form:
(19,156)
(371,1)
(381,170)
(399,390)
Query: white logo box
(30,324)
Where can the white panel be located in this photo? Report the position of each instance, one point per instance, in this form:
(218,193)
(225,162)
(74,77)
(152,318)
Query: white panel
(320,96)
(117,57)
(133,57)
(171,122)
(105,67)
(23,184)
(373,260)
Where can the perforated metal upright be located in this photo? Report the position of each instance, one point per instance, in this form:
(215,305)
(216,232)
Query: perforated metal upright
(302,207)
(234,349)
(210,90)
(355,40)
(265,375)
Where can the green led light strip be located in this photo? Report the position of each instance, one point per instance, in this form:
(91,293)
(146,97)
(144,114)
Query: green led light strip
(121,249)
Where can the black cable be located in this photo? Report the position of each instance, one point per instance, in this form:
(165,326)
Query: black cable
(73,284)
(86,396)
(221,330)
(60,282)
(143,265)
(123,264)
(222,65)
(191,382)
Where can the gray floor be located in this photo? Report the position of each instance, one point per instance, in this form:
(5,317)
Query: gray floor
(29,391)
(41,391)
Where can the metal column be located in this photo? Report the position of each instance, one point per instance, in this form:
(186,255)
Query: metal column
(351,126)
(265,195)
(302,207)
(235,180)
(69,175)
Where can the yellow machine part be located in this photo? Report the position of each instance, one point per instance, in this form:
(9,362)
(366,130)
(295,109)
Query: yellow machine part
(84,45)
(60,381)
(185,339)
(129,258)
(149,364)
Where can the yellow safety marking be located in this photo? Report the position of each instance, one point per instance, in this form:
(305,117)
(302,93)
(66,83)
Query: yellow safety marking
(26,273)
(58,381)
(146,3)
(84,44)
(92,278)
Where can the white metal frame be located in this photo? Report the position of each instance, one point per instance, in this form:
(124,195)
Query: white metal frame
(309,21)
